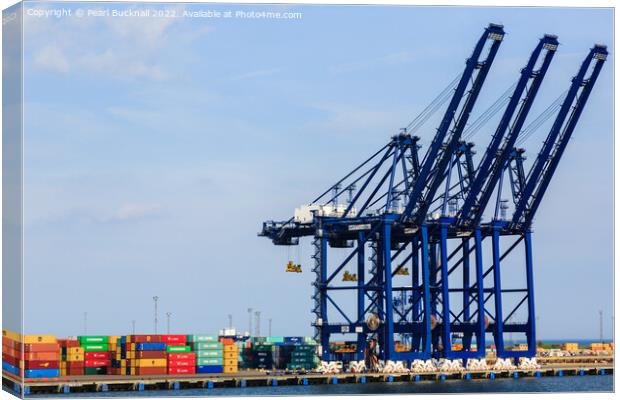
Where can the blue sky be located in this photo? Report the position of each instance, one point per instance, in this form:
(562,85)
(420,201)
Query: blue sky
(155,148)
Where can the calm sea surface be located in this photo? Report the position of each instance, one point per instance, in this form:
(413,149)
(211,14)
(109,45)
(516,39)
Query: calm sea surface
(588,383)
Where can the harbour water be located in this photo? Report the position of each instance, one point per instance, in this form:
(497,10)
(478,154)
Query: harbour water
(588,383)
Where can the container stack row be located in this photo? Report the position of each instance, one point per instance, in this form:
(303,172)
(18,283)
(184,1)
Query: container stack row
(181,359)
(209,353)
(71,357)
(41,356)
(97,358)
(12,352)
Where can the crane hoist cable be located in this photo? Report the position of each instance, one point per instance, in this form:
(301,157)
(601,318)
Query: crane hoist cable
(498,105)
(433,106)
(541,119)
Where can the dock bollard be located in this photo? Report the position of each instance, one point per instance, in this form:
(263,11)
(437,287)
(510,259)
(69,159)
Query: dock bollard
(176,386)
(538,374)
(210,385)
(334,381)
(468,376)
(582,372)
(601,372)
(274,382)
(390,378)
(442,377)
(304,381)
(515,375)
(362,379)
(491,376)
(417,378)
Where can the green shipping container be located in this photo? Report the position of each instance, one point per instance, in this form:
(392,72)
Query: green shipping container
(178,349)
(201,338)
(209,353)
(95,347)
(208,346)
(264,347)
(275,339)
(305,347)
(95,371)
(300,366)
(210,361)
(302,360)
(93,339)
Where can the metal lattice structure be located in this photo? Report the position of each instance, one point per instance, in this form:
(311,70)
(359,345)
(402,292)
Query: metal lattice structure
(426,215)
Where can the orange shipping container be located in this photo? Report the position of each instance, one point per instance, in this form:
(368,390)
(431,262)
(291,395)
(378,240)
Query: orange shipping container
(40,347)
(43,355)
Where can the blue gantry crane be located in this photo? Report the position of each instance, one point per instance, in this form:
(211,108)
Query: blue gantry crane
(397,217)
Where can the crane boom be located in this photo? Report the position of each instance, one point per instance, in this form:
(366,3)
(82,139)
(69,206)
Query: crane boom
(549,157)
(495,157)
(440,153)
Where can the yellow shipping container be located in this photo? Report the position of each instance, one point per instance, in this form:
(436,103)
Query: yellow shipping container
(231,369)
(132,371)
(12,335)
(230,354)
(149,362)
(112,339)
(570,346)
(34,339)
(230,347)
(231,362)
(75,350)
(75,357)
(132,346)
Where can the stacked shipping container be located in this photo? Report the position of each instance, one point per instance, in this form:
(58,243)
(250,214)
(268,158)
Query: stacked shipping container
(209,353)
(41,356)
(71,357)
(12,352)
(181,360)
(96,354)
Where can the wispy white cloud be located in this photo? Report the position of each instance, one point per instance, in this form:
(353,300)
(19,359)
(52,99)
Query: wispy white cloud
(133,211)
(52,57)
(396,58)
(120,48)
(257,74)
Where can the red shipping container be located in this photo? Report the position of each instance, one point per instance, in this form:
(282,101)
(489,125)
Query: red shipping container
(145,338)
(227,340)
(12,352)
(42,364)
(11,343)
(151,371)
(181,356)
(182,363)
(43,355)
(75,371)
(69,342)
(11,360)
(41,347)
(178,340)
(96,363)
(97,355)
(151,354)
(75,364)
(181,370)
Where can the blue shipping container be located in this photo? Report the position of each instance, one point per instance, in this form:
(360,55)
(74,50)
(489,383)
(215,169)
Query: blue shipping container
(209,369)
(10,368)
(151,346)
(42,373)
